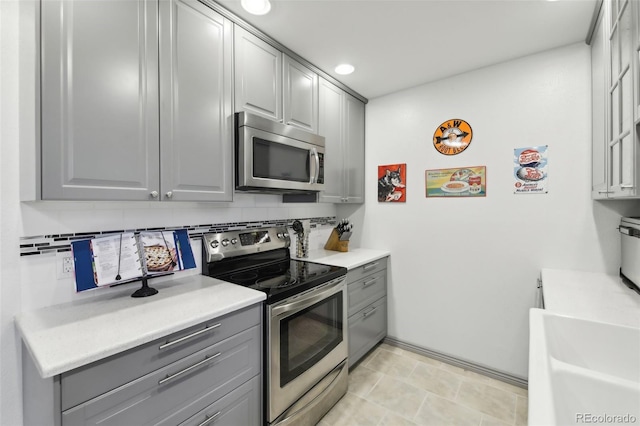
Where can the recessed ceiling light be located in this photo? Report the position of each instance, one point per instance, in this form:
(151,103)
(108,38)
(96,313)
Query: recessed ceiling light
(256,7)
(344,69)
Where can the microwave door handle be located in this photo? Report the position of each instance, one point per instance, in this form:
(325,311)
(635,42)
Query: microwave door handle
(314,165)
(317,165)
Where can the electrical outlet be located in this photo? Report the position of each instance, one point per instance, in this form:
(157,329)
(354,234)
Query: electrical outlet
(64,265)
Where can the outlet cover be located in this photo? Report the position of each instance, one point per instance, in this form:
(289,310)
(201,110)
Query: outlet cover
(64,265)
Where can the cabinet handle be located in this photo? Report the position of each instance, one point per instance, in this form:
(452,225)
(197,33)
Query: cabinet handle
(208,419)
(186,370)
(627,186)
(368,283)
(366,314)
(182,339)
(154,194)
(604,192)
(370,266)
(169,194)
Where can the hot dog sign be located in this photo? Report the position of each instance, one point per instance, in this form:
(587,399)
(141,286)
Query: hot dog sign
(530,170)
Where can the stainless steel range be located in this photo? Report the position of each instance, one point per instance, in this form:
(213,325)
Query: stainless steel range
(305,320)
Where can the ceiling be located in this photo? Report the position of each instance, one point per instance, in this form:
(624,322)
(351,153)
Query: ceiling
(398,44)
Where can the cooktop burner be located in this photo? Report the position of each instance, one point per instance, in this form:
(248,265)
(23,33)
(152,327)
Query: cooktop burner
(260,259)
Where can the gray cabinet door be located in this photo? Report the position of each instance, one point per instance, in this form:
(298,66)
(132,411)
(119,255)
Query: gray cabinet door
(621,154)
(341,122)
(99,100)
(300,95)
(330,125)
(599,94)
(366,329)
(354,147)
(196,115)
(258,75)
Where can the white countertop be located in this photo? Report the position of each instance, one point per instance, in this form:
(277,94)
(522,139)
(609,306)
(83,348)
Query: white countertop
(590,295)
(67,336)
(351,259)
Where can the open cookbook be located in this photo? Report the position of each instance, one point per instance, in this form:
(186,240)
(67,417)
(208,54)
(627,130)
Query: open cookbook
(119,258)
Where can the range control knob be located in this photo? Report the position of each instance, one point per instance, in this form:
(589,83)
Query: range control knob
(225,242)
(214,244)
(286,235)
(234,241)
(280,235)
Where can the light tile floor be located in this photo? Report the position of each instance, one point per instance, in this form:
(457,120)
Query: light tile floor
(395,387)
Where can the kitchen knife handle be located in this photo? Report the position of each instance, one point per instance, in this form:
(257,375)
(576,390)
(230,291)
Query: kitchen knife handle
(190,336)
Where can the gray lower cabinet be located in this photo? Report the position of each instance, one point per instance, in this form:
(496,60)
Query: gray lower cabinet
(212,370)
(112,124)
(341,122)
(367,308)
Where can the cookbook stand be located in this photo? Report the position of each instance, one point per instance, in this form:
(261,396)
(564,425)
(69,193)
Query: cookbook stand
(145,290)
(334,243)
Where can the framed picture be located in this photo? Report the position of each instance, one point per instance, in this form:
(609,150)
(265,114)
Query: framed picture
(458,182)
(391,183)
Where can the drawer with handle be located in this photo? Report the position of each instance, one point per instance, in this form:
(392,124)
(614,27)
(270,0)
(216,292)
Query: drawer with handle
(87,382)
(366,290)
(177,391)
(239,407)
(366,269)
(366,328)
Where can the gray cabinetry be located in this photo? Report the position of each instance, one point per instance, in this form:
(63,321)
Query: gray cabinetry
(367,307)
(341,122)
(109,100)
(614,68)
(258,75)
(196,78)
(272,84)
(209,370)
(300,91)
(99,99)
(599,95)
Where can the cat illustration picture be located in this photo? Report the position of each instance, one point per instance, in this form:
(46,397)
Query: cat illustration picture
(390,185)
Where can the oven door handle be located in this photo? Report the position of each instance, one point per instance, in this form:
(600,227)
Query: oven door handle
(332,288)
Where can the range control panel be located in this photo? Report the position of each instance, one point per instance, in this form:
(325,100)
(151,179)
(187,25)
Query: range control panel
(247,241)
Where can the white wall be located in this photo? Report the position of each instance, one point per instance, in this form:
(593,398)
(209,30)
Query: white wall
(464,270)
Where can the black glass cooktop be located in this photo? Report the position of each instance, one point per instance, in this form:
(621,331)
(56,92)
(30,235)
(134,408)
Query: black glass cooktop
(274,273)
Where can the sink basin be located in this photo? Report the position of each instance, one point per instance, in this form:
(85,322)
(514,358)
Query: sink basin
(582,371)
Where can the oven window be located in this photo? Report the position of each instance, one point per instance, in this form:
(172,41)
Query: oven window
(308,336)
(273,160)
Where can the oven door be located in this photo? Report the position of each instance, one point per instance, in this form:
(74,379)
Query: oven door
(278,163)
(307,340)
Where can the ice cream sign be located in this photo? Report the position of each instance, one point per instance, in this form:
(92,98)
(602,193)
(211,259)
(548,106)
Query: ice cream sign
(530,170)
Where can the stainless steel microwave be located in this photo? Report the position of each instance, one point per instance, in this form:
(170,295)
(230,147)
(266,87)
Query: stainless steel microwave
(275,157)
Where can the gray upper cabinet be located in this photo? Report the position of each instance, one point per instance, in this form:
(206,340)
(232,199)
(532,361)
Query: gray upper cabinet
(196,114)
(599,90)
(273,85)
(621,150)
(258,76)
(99,100)
(615,67)
(300,95)
(118,123)
(341,122)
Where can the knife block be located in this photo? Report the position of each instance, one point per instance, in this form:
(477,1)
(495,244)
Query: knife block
(334,243)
